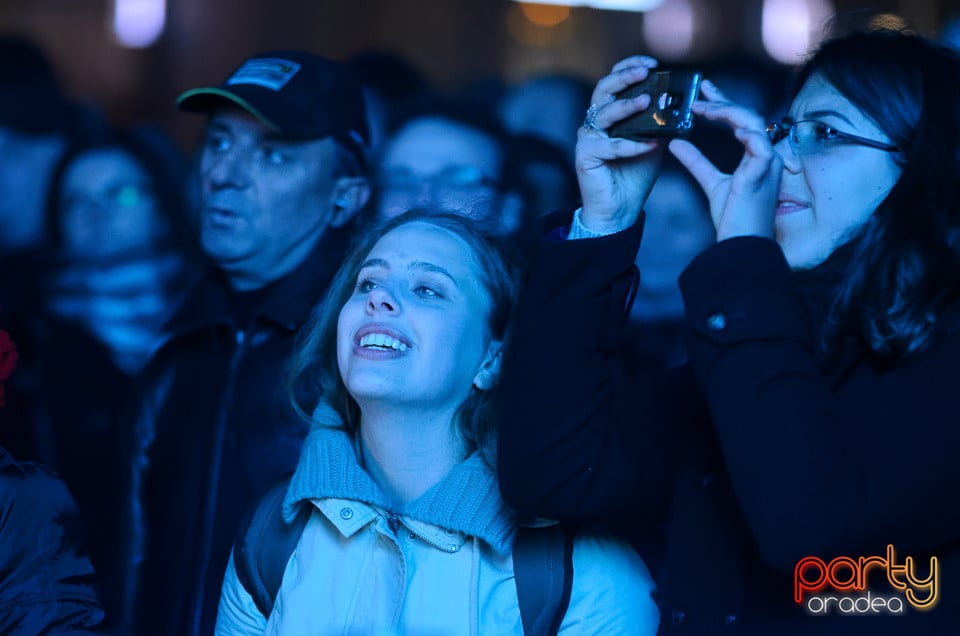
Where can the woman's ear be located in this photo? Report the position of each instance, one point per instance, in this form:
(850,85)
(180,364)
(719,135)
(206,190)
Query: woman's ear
(489,372)
(349,196)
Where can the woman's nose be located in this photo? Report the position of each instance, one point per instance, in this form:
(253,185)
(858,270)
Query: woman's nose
(381,300)
(791,162)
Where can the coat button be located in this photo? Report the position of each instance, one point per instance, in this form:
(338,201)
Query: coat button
(346,513)
(716,322)
(708,479)
(729,620)
(678,616)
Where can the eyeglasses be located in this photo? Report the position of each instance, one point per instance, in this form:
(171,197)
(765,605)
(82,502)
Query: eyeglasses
(808,137)
(458,178)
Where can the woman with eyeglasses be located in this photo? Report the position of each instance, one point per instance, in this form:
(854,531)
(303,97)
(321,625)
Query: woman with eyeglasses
(803,466)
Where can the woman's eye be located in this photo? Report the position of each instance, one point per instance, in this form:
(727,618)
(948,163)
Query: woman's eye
(827,133)
(365,286)
(425,291)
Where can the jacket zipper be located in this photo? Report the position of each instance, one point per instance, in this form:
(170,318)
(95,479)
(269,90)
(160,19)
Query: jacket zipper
(395,523)
(212,483)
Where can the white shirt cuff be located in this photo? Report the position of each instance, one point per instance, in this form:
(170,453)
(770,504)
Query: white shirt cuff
(580,231)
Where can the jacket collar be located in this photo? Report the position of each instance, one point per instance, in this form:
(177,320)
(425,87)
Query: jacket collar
(466,501)
(287,303)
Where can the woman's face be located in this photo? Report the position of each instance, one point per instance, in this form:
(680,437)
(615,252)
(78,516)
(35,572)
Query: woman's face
(826,196)
(107,206)
(414,332)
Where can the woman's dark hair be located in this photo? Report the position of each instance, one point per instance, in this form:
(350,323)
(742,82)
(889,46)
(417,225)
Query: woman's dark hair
(906,265)
(160,159)
(313,374)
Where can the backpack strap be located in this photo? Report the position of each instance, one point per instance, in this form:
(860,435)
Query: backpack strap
(543,571)
(264,546)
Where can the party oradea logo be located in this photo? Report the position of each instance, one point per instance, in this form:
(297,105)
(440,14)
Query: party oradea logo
(866,585)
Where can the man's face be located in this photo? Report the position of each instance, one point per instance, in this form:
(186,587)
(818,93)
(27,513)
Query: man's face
(264,201)
(440,163)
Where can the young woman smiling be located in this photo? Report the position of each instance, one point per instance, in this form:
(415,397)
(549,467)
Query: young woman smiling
(407,532)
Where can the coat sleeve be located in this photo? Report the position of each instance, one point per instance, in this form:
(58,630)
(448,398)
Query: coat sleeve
(238,613)
(574,443)
(46,580)
(819,465)
(612,591)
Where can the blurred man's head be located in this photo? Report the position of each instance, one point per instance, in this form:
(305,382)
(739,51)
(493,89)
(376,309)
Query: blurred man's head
(34,125)
(677,228)
(283,161)
(548,107)
(440,161)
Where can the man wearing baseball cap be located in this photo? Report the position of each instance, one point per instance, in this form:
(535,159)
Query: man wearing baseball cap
(282,175)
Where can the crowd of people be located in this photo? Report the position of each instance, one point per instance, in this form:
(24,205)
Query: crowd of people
(376,360)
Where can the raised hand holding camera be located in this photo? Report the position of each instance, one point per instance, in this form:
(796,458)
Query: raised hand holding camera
(743,203)
(616,174)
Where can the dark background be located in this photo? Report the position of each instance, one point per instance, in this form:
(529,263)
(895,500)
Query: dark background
(455,42)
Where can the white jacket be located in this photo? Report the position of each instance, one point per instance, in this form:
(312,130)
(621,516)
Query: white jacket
(440,566)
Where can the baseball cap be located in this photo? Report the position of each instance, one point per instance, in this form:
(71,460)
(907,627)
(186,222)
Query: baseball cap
(299,95)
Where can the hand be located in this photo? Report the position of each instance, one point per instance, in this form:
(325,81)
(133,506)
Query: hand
(616,175)
(743,203)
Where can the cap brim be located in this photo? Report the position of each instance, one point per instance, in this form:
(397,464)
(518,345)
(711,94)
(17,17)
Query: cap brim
(207,99)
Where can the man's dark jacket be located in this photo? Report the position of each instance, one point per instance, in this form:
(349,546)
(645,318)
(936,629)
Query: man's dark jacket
(215,431)
(760,452)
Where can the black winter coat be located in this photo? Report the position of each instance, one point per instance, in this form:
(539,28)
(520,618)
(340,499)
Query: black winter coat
(757,454)
(218,431)
(46,580)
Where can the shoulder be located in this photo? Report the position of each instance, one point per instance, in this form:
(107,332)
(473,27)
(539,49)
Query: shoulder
(35,508)
(237,613)
(612,590)
(30,488)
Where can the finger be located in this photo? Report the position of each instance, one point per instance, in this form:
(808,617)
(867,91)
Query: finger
(734,115)
(634,60)
(706,174)
(759,158)
(710,91)
(609,85)
(593,150)
(619,110)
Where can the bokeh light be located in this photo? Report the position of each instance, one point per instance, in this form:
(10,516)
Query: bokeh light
(614,5)
(545,15)
(138,24)
(791,28)
(668,31)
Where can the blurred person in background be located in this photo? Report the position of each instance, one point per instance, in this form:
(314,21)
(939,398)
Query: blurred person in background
(121,237)
(677,229)
(547,107)
(390,84)
(541,174)
(117,260)
(36,123)
(46,580)
(448,156)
